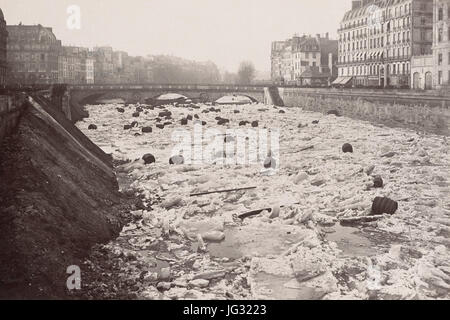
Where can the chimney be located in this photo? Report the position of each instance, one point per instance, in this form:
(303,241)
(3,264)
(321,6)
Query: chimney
(318,36)
(330,62)
(327,35)
(356,4)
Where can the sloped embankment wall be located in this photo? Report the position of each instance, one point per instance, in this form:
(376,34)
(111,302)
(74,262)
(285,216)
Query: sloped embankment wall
(58,197)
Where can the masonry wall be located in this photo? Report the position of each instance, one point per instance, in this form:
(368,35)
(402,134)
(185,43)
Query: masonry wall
(434,119)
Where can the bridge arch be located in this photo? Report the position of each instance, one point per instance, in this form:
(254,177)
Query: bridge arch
(83,94)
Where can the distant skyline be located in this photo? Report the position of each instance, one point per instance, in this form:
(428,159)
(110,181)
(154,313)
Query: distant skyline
(223,31)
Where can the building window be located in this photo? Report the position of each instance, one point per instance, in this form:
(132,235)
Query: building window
(440,31)
(440,77)
(440,59)
(440,14)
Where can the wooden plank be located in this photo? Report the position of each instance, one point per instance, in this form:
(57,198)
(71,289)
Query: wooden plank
(220,191)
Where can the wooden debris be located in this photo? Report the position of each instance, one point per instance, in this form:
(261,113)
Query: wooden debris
(258,211)
(220,191)
(355,220)
(302,149)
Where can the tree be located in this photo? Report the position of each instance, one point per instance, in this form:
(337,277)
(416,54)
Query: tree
(229,78)
(246,72)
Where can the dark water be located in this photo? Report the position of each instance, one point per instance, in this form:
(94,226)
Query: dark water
(352,241)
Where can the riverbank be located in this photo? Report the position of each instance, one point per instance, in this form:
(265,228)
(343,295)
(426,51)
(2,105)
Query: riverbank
(58,197)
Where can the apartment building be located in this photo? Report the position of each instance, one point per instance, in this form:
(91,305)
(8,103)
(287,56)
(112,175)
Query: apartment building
(377,39)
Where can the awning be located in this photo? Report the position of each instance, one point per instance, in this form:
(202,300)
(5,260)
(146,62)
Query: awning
(342,80)
(338,80)
(346,80)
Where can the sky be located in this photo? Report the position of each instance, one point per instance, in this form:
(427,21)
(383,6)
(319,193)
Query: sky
(223,31)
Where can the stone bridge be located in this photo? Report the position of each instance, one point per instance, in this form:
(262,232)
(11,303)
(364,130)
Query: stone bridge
(87,94)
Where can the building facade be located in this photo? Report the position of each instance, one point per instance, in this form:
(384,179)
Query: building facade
(305,55)
(276,60)
(76,66)
(441,43)
(104,66)
(432,71)
(304,60)
(32,54)
(88,68)
(377,39)
(3,48)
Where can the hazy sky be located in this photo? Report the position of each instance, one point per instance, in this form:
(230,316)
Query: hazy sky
(223,31)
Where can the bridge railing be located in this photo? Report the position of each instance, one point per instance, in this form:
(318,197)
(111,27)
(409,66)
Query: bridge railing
(167,87)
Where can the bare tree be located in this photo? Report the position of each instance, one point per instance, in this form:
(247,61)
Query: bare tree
(246,72)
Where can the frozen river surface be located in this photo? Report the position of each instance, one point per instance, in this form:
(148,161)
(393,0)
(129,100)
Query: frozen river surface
(194,247)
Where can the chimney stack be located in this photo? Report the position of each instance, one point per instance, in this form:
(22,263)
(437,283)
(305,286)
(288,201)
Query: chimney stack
(318,35)
(330,62)
(327,35)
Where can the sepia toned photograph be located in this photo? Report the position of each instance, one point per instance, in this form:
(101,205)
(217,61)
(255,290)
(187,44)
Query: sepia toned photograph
(241,151)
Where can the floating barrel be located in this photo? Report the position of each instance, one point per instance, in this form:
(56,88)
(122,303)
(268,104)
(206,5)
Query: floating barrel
(382,205)
(347,147)
(165,114)
(223,121)
(148,158)
(377,182)
(270,162)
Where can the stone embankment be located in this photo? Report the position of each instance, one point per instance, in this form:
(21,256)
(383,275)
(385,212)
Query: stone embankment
(58,197)
(429,113)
